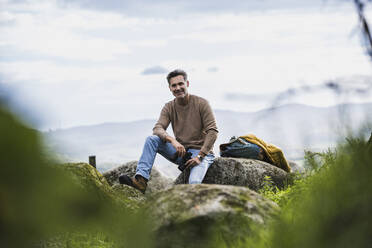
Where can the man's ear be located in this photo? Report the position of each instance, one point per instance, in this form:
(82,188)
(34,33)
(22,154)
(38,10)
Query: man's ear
(187,83)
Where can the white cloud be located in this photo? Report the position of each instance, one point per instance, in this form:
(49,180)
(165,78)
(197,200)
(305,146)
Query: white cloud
(150,43)
(36,36)
(47,72)
(43,28)
(92,55)
(5,17)
(272,27)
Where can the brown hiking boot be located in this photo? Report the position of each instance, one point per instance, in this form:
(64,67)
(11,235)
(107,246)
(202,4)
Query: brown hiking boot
(137,182)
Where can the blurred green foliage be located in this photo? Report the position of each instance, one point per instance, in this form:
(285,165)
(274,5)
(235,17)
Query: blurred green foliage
(272,192)
(45,204)
(331,205)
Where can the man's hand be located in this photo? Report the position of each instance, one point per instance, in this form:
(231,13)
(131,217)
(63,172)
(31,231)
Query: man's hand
(181,151)
(192,162)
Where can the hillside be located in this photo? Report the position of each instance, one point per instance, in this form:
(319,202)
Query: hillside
(292,127)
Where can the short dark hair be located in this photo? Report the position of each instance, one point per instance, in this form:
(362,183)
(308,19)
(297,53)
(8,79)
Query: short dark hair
(176,73)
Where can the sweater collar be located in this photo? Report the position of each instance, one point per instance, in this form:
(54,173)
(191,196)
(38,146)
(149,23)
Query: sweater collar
(183,102)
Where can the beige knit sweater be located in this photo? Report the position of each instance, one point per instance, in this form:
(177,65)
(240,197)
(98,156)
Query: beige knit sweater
(194,125)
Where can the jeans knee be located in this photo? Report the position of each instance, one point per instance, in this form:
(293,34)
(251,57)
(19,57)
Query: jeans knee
(153,139)
(198,172)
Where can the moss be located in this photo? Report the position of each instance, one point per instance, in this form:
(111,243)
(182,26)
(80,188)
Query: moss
(237,206)
(244,197)
(78,240)
(206,215)
(131,197)
(238,202)
(206,231)
(87,177)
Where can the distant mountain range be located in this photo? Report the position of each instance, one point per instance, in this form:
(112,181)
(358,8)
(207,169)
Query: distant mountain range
(292,127)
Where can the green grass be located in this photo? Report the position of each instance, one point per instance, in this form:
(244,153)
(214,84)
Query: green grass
(331,206)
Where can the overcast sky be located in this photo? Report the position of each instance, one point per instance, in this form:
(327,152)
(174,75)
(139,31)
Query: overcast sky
(84,62)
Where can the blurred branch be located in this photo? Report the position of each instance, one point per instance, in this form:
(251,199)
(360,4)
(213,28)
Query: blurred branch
(361,88)
(338,88)
(364,26)
(356,87)
(369,142)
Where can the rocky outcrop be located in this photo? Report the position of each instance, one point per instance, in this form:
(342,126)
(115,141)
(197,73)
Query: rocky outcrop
(192,215)
(240,172)
(89,179)
(130,193)
(156,183)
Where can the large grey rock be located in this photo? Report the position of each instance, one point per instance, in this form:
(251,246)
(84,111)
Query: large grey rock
(240,172)
(131,194)
(156,183)
(195,215)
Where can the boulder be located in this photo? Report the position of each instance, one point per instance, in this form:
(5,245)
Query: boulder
(156,183)
(196,215)
(89,179)
(240,172)
(131,194)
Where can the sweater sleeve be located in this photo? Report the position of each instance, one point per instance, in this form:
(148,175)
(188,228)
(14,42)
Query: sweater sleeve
(162,123)
(209,127)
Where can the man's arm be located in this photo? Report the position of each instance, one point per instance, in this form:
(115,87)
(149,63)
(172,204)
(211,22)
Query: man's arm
(210,128)
(162,124)
(160,130)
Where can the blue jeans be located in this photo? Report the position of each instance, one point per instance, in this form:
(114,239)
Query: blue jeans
(154,145)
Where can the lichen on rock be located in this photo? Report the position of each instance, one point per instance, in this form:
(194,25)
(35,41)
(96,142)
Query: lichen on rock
(156,183)
(88,178)
(188,215)
(240,172)
(130,193)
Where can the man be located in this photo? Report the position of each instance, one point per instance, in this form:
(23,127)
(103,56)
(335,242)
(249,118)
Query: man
(195,130)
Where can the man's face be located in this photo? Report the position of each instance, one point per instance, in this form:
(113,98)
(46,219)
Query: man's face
(178,86)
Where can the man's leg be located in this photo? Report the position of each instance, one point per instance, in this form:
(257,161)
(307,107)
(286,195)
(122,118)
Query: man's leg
(153,145)
(198,172)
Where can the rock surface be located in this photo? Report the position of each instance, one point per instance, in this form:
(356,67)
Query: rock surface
(240,172)
(89,179)
(130,193)
(190,215)
(156,183)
